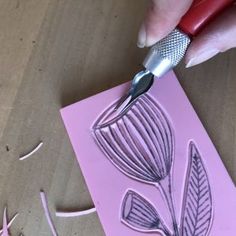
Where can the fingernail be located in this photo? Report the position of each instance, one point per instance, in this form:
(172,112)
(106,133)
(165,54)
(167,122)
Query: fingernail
(142,36)
(204,56)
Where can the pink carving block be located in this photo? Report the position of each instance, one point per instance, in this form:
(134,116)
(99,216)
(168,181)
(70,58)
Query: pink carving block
(152,169)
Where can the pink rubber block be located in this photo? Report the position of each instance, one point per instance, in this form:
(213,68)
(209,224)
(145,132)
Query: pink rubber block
(152,169)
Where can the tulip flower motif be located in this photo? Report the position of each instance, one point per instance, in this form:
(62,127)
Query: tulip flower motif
(140,143)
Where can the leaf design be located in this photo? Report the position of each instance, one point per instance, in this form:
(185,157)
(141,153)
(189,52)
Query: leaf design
(197,205)
(141,215)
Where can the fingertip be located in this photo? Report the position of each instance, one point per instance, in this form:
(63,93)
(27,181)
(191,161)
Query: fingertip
(199,54)
(161,19)
(142,37)
(146,37)
(219,36)
(150,41)
(201,49)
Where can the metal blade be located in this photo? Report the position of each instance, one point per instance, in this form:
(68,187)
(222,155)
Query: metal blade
(141,83)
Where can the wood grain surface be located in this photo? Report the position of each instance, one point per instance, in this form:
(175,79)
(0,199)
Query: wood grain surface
(56,52)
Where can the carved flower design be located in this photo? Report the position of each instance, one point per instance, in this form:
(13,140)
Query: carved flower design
(138,142)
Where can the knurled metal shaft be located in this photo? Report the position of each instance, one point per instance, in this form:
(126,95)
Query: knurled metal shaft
(167,53)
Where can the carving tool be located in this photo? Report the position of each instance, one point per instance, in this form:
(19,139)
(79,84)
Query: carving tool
(169,51)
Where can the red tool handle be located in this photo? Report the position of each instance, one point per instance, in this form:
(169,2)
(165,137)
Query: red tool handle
(200,13)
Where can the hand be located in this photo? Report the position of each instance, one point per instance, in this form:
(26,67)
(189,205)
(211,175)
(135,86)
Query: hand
(164,15)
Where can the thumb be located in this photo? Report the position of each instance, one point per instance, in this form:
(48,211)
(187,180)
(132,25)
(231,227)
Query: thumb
(218,37)
(161,18)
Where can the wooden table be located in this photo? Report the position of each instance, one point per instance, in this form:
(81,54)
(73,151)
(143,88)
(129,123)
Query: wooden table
(56,52)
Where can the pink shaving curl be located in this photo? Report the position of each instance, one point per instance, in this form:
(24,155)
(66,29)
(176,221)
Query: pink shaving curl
(32,152)
(6,226)
(10,223)
(75,214)
(47,213)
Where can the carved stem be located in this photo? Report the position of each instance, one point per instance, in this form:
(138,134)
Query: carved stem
(166,191)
